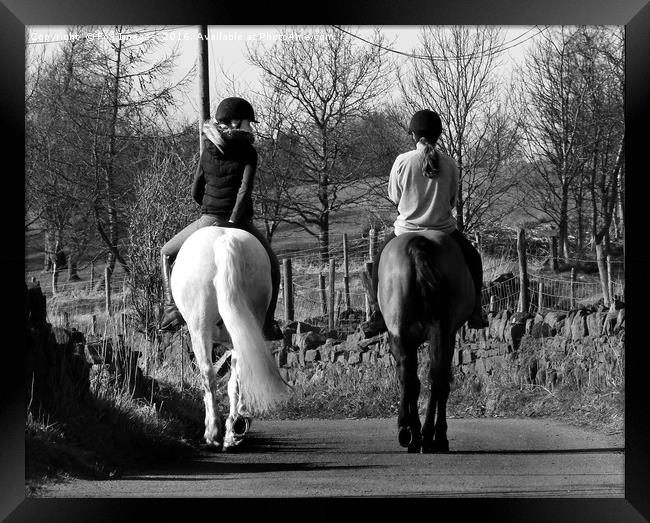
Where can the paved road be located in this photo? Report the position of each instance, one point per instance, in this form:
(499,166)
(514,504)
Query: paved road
(488,458)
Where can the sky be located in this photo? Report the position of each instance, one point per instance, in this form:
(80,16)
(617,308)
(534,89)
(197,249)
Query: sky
(227,50)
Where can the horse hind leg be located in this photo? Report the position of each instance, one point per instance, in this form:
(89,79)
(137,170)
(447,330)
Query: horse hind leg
(202,347)
(428,429)
(434,430)
(408,420)
(239,420)
(440,442)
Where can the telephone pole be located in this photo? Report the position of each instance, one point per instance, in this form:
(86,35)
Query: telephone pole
(204,81)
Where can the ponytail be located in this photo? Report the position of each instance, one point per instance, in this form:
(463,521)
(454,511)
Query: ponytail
(430,159)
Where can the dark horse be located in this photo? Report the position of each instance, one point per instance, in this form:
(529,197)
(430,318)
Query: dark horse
(425,293)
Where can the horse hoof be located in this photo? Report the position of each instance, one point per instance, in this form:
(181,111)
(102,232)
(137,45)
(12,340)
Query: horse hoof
(212,446)
(405,436)
(240,426)
(413,449)
(441,446)
(231,442)
(229,449)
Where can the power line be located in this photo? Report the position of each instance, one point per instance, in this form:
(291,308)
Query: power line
(499,49)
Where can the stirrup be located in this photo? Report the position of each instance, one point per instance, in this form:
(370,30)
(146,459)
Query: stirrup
(477,321)
(376,322)
(272,332)
(172,320)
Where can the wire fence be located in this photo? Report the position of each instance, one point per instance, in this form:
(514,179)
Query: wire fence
(84,287)
(547,293)
(501,274)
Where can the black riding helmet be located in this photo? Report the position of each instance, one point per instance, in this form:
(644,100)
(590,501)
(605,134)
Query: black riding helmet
(426,123)
(234,108)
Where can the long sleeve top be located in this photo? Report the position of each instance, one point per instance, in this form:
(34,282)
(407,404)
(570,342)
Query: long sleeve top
(423,203)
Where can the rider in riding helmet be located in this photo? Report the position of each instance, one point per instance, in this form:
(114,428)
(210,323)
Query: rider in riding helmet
(423,184)
(223,185)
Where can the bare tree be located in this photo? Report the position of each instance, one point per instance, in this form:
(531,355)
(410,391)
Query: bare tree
(600,58)
(554,101)
(55,186)
(132,93)
(162,206)
(573,104)
(102,106)
(325,83)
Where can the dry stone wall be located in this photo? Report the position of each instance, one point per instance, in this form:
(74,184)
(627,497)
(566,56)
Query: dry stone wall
(56,371)
(593,339)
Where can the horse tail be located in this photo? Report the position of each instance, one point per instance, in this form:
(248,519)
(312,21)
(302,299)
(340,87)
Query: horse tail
(429,281)
(261,384)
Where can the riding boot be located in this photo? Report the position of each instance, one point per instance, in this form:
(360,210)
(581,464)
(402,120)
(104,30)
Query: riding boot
(477,320)
(172,318)
(271,330)
(376,323)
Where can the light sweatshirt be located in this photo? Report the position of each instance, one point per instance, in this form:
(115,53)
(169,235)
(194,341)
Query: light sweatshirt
(423,203)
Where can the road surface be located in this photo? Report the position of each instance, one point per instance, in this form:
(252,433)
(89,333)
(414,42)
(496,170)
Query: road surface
(297,458)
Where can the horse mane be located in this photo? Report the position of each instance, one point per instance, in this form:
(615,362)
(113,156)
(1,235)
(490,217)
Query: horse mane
(431,284)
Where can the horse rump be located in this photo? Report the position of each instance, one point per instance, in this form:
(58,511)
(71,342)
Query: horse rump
(430,283)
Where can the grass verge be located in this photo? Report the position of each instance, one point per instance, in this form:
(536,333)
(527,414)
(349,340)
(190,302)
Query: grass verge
(371,391)
(111,433)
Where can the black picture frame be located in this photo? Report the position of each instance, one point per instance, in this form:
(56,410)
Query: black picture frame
(634,14)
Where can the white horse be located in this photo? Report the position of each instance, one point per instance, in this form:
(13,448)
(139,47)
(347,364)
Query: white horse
(221,283)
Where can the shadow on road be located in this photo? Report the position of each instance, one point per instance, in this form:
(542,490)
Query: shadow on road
(207,470)
(545,451)
(246,460)
(258,444)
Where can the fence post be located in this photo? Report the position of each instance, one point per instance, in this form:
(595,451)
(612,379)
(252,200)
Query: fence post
(610,283)
(540,294)
(92,276)
(66,320)
(372,240)
(572,292)
(332,293)
(346,271)
(182,351)
(323,294)
(338,304)
(523,270)
(369,271)
(93,328)
(55,277)
(288,290)
(107,287)
(492,303)
(554,265)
